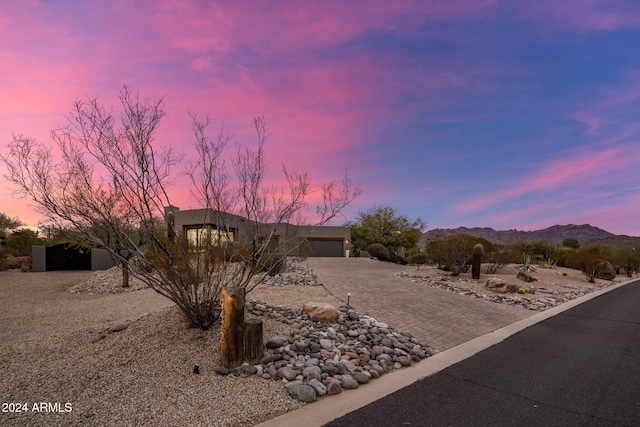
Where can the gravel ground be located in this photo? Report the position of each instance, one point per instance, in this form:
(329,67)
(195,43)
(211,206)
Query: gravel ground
(558,279)
(142,375)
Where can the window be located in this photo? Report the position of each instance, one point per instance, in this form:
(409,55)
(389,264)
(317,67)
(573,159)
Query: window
(199,236)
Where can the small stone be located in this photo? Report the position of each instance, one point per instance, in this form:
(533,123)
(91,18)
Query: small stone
(286,373)
(330,369)
(312,372)
(404,361)
(361,377)
(364,358)
(333,388)
(314,347)
(266,359)
(350,366)
(275,342)
(249,370)
(221,370)
(302,392)
(312,362)
(349,383)
(120,326)
(327,344)
(317,385)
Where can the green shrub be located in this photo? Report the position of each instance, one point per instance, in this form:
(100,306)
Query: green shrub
(397,259)
(20,242)
(418,259)
(378,251)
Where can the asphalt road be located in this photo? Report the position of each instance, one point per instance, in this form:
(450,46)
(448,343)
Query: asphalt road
(581,367)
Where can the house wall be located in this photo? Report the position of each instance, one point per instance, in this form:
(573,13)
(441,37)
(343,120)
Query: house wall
(200,217)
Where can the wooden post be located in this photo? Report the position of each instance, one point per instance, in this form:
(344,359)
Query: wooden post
(231,344)
(125,274)
(253,344)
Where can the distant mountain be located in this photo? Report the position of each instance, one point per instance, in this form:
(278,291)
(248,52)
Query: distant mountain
(585,234)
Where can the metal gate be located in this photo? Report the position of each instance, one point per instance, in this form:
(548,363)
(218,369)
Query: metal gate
(67,257)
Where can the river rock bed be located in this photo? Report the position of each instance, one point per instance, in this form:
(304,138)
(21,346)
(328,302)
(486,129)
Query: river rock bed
(294,274)
(553,298)
(106,282)
(319,359)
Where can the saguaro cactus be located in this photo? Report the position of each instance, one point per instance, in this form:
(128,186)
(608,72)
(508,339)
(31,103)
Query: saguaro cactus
(476,260)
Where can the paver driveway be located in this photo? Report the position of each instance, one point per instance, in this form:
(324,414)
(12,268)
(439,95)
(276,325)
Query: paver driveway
(440,318)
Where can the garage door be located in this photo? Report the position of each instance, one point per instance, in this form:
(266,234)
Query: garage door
(326,248)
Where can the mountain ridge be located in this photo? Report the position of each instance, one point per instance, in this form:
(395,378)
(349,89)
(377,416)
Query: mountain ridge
(586,234)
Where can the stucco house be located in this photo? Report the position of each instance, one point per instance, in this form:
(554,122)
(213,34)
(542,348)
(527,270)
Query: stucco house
(199,224)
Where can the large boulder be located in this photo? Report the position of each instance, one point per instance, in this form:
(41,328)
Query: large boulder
(525,276)
(605,271)
(321,312)
(496,282)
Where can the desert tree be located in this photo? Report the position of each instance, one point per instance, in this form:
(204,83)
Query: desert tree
(6,224)
(111,184)
(382,224)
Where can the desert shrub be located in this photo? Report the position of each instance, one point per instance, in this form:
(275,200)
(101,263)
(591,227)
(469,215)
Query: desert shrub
(588,260)
(627,259)
(272,263)
(496,258)
(20,242)
(453,253)
(418,259)
(378,251)
(393,257)
(10,262)
(571,243)
(536,247)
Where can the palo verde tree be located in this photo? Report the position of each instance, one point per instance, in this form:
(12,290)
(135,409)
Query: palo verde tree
(112,181)
(381,224)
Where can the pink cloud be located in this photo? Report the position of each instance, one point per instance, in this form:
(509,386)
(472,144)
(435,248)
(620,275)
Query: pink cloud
(579,170)
(585,15)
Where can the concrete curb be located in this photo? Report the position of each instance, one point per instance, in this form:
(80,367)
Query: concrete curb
(328,409)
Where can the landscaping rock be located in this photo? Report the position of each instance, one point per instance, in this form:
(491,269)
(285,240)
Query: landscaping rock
(275,342)
(496,282)
(302,392)
(321,312)
(120,326)
(522,275)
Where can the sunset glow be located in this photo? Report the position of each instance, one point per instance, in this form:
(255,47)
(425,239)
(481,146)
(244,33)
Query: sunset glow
(502,114)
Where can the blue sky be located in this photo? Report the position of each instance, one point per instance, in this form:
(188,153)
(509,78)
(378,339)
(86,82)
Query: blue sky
(502,114)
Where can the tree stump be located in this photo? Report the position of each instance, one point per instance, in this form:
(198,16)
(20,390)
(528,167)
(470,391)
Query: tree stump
(231,343)
(253,343)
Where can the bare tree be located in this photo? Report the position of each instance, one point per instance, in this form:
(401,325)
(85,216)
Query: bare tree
(112,182)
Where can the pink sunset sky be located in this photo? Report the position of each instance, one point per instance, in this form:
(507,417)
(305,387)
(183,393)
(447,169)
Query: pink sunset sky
(503,114)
